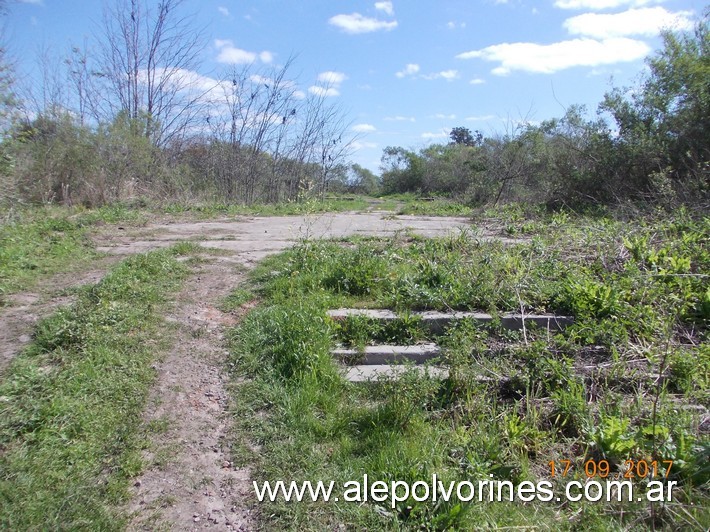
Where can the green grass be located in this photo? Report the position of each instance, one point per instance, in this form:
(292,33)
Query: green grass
(39,244)
(71,402)
(310,206)
(435,207)
(401,204)
(40,241)
(415,204)
(638,291)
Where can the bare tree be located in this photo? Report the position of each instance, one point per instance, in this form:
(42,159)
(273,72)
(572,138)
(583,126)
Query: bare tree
(272,141)
(80,77)
(149,62)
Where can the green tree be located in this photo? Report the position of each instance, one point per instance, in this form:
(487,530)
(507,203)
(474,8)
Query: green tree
(363,180)
(56,160)
(463,135)
(402,170)
(450,169)
(664,126)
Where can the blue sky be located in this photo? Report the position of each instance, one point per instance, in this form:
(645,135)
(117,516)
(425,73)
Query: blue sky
(407,71)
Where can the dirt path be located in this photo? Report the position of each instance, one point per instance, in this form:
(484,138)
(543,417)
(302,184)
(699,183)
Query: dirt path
(191,483)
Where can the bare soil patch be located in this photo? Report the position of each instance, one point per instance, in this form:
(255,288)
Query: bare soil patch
(25,309)
(191,482)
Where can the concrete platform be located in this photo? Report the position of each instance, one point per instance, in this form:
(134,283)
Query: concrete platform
(389,354)
(373,372)
(437,321)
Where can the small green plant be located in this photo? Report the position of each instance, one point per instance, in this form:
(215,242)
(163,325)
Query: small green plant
(406,397)
(589,298)
(614,439)
(571,411)
(358,330)
(690,370)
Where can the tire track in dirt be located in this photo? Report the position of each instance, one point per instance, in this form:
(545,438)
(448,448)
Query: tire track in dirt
(190,482)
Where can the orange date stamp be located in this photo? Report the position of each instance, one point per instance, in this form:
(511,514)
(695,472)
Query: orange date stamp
(631,469)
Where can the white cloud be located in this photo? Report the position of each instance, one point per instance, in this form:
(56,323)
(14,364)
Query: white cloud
(266,56)
(387,7)
(409,70)
(331,78)
(325,92)
(435,135)
(448,75)
(400,119)
(223,10)
(482,118)
(477,81)
(299,95)
(256,78)
(356,23)
(647,22)
(206,89)
(330,82)
(452,25)
(360,145)
(364,128)
(232,55)
(444,117)
(602,4)
(550,58)
(235,56)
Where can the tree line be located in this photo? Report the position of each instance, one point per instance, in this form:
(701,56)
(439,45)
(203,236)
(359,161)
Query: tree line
(134,117)
(647,143)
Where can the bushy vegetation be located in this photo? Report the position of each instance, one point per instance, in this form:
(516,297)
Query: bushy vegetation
(648,143)
(132,118)
(247,137)
(629,380)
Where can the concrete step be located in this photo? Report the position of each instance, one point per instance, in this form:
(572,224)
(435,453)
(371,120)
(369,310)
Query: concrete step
(388,354)
(437,321)
(374,372)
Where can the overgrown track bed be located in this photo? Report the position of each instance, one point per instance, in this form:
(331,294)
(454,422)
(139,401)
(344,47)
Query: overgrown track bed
(73,432)
(627,380)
